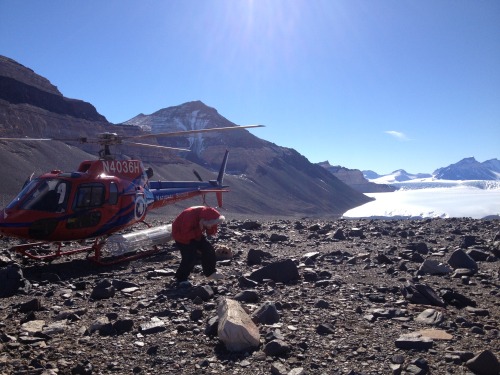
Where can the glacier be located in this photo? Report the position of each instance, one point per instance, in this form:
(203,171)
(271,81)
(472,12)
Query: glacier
(425,198)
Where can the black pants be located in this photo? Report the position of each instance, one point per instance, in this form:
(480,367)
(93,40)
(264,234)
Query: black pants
(190,254)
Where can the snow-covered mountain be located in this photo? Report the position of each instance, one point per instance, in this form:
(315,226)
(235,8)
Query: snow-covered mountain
(399,175)
(370,175)
(468,169)
(189,116)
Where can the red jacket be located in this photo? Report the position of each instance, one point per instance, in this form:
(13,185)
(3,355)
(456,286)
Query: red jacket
(186,227)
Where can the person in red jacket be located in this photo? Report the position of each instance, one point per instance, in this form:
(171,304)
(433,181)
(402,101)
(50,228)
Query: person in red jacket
(189,231)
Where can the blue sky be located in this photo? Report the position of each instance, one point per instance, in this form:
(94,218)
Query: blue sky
(366,84)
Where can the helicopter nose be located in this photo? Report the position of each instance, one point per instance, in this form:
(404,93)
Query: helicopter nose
(3,216)
(4,220)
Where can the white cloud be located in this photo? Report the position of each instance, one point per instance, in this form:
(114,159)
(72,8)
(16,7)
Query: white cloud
(397,135)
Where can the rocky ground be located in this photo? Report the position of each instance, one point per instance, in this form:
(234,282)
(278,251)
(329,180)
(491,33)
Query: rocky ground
(328,297)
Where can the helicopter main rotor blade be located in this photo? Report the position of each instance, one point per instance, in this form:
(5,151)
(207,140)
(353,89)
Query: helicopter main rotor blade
(79,139)
(25,139)
(196,131)
(156,146)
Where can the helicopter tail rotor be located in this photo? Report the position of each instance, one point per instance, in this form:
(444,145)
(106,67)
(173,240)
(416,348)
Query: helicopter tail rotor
(222,171)
(220,179)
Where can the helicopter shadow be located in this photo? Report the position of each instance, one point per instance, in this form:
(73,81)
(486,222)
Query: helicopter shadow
(77,269)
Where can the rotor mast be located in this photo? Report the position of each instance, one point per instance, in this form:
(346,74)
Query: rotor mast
(106,140)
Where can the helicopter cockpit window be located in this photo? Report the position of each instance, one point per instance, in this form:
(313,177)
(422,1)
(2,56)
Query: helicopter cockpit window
(89,196)
(113,193)
(27,188)
(49,195)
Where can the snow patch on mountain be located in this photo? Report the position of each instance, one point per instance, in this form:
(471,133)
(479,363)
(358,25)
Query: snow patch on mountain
(465,169)
(190,116)
(399,175)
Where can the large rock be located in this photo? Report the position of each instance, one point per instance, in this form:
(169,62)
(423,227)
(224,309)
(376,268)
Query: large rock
(255,256)
(456,299)
(32,305)
(281,271)
(419,247)
(430,316)
(266,314)
(485,363)
(414,341)
(276,348)
(478,255)
(434,267)
(460,259)
(421,294)
(236,329)
(12,281)
(104,289)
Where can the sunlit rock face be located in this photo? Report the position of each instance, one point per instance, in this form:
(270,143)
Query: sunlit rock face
(355,179)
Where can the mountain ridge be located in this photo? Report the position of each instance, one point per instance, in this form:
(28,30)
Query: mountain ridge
(465,169)
(470,169)
(355,179)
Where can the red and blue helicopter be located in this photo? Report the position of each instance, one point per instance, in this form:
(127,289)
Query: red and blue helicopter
(100,198)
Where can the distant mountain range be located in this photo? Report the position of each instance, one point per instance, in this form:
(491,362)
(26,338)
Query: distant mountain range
(467,169)
(481,175)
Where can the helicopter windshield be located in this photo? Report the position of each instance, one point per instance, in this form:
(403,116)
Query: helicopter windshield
(26,188)
(49,195)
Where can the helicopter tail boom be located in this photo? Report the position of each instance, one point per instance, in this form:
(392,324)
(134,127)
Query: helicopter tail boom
(167,192)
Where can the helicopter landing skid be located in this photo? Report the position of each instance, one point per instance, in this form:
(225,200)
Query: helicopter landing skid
(101,260)
(42,251)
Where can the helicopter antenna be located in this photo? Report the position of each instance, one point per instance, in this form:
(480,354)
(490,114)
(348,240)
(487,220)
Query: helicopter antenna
(197,175)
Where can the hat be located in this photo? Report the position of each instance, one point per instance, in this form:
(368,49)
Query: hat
(211,223)
(210,217)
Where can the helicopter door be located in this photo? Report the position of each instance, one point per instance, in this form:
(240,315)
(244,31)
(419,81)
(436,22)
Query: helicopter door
(113,193)
(111,206)
(88,200)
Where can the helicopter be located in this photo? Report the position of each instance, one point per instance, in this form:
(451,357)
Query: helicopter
(100,198)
